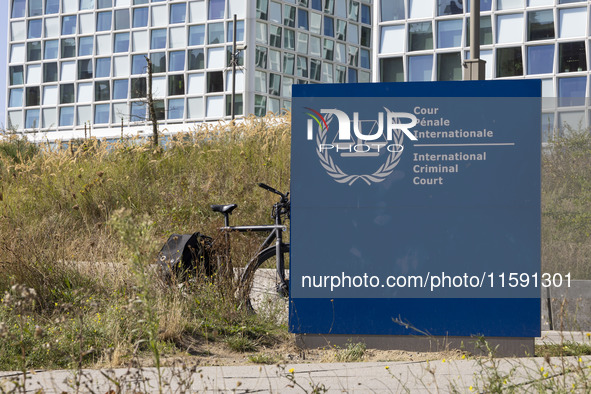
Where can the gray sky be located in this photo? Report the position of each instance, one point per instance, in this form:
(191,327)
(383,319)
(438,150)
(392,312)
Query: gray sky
(3,62)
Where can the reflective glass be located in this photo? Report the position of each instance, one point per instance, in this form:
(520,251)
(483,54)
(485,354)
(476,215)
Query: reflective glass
(571,91)
(49,117)
(262,9)
(288,63)
(66,93)
(85,69)
(103,21)
(275,12)
(261,32)
(18,31)
(365,14)
(260,81)
(420,36)
(32,119)
(509,62)
(329,26)
(302,44)
(421,8)
(449,7)
(449,33)
(289,15)
(158,60)
(101,113)
(121,19)
(138,64)
(33,96)
(102,91)
(420,68)
(138,87)
(121,42)
(365,36)
(103,67)
(35,7)
(52,27)
(288,39)
(239,31)
(509,28)
(215,81)
(34,28)
(178,13)
(238,105)
(392,40)
(176,61)
(572,57)
(391,69)
(138,111)
(509,4)
(302,67)
(315,68)
(158,39)
(120,89)
(216,9)
(485,31)
(85,46)
(261,57)
(33,51)
(275,36)
(196,35)
(140,17)
(51,49)
(328,50)
(540,59)
(18,8)
(86,5)
(340,74)
(573,22)
(176,108)
(302,19)
(69,25)
(176,85)
(315,23)
(364,59)
(66,116)
(105,3)
(215,33)
(275,84)
(540,25)
(449,67)
(50,72)
(196,59)
(16,98)
(260,105)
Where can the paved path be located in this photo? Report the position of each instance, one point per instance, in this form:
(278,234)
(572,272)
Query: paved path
(529,374)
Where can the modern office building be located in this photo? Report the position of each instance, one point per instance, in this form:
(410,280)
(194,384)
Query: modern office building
(81,63)
(428,40)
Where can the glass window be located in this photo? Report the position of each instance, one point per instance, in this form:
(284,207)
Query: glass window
(215,81)
(573,22)
(15,119)
(289,15)
(51,49)
(120,89)
(261,57)
(215,34)
(67,71)
(159,16)
(177,37)
(329,26)
(340,53)
(509,28)
(571,91)
(302,19)
(540,25)
(215,107)
(353,11)
(103,21)
(509,62)
(85,69)
(315,69)
(196,35)
(449,67)
(449,33)
(261,32)
(86,4)
(84,114)
(17,53)
(176,108)
(103,44)
(572,57)
(392,39)
(178,13)
(16,98)
(50,72)
(316,5)
(49,117)
(571,121)
(103,67)
(420,68)
(216,9)
(287,82)
(352,76)
(66,93)
(69,25)
(540,59)
(302,44)
(176,85)
(329,6)
(138,111)
(391,70)
(275,12)
(275,36)
(158,60)
(34,28)
(485,31)
(353,56)
(140,17)
(237,7)
(239,31)
(121,42)
(196,84)
(315,23)
(33,51)
(34,74)
(340,9)
(364,58)
(18,8)
(119,113)
(84,92)
(328,52)
(421,8)
(420,36)
(275,84)
(341,32)
(140,41)
(260,81)
(216,58)
(101,113)
(449,7)
(176,61)
(121,19)
(260,105)
(262,8)
(16,75)
(105,3)
(289,39)
(85,46)
(196,59)
(274,60)
(158,39)
(52,27)
(66,116)
(32,119)
(509,4)
(288,63)
(302,67)
(315,46)
(353,34)
(18,31)
(101,91)
(86,25)
(340,74)
(485,5)
(238,105)
(365,36)
(139,87)
(138,64)
(35,7)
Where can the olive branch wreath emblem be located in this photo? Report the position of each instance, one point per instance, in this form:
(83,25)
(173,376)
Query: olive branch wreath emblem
(334,171)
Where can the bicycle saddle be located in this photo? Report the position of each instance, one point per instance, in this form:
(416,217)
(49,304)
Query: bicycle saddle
(224,208)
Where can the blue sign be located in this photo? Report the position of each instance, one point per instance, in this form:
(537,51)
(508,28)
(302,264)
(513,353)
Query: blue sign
(416,202)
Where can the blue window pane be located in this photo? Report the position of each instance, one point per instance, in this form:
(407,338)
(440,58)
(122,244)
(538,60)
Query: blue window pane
(138,64)
(176,108)
(140,17)
(449,33)
(16,75)
(485,5)
(316,5)
(69,25)
(420,68)
(121,42)
(51,49)
(239,31)
(85,46)
(365,14)
(449,7)
(158,39)
(177,13)
(215,33)
(103,21)
(105,3)
(328,26)
(352,77)
(103,67)
(177,61)
(32,119)
(216,9)
(16,98)
(571,91)
(365,58)
(86,4)
(66,116)
(540,59)
(138,111)
(52,6)
(18,8)
(392,10)
(197,35)
(101,113)
(121,19)
(302,19)
(34,28)
(158,60)
(120,89)
(35,7)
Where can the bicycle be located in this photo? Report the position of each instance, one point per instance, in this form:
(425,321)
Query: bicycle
(266,291)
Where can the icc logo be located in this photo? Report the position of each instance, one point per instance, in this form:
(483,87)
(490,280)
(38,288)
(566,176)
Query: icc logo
(368,139)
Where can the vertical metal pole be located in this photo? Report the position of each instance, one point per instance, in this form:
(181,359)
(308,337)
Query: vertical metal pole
(474,29)
(234,60)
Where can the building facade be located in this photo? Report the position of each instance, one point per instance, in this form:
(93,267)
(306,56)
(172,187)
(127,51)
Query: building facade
(81,64)
(428,40)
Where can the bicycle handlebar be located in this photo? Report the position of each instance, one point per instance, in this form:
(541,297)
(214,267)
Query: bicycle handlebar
(269,188)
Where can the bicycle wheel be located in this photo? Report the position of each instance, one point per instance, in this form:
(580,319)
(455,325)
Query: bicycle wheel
(261,284)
